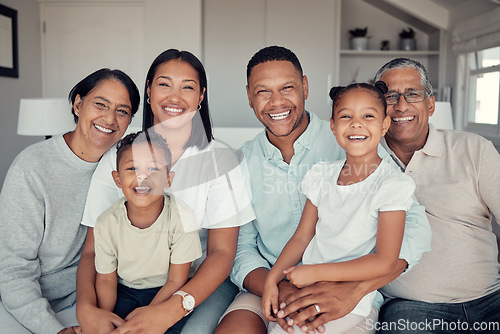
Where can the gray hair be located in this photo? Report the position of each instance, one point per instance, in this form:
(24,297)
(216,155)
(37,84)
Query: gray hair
(405,63)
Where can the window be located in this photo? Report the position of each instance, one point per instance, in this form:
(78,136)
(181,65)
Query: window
(483,91)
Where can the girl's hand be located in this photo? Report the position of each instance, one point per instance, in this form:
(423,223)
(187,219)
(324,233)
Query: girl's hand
(270,301)
(301,276)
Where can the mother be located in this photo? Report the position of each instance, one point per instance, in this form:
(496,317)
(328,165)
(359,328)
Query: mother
(208,177)
(42,202)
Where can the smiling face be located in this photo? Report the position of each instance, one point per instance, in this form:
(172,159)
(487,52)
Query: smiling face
(359,122)
(103,116)
(175,94)
(277,93)
(409,121)
(143,175)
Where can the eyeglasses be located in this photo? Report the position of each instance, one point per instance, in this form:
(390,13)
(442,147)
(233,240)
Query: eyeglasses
(410,97)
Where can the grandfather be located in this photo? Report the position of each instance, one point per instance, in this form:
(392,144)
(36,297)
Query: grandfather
(457,175)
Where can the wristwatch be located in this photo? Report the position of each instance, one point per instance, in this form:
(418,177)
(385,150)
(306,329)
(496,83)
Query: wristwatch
(187,301)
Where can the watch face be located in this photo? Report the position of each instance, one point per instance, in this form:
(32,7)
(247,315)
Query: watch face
(188,302)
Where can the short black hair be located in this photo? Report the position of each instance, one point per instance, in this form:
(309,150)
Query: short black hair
(270,53)
(379,88)
(150,137)
(88,83)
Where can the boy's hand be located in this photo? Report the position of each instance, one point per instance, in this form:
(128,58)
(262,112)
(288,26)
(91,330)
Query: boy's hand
(301,276)
(270,301)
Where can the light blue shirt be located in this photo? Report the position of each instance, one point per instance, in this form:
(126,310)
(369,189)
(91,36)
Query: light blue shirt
(278,200)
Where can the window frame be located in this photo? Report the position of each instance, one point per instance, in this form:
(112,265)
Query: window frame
(490,131)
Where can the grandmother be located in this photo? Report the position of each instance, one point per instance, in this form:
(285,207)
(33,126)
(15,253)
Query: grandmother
(42,202)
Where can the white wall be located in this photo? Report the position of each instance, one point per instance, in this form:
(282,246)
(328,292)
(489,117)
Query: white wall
(236,29)
(172,24)
(168,24)
(27,85)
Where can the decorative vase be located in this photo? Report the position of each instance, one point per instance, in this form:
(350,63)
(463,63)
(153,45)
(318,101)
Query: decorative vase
(359,43)
(408,44)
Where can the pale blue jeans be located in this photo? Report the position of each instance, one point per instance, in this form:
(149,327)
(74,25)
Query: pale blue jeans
(205,316)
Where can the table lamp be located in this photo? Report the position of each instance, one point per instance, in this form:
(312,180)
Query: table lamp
(44,117)
(442,117)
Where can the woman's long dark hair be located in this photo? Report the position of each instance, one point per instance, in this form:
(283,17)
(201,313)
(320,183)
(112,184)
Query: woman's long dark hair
(201,132)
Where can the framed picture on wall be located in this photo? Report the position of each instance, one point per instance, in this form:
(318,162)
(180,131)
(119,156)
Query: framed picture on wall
(9,65)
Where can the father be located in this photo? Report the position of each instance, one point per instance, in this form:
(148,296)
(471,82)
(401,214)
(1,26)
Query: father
(278,158)
(457,175)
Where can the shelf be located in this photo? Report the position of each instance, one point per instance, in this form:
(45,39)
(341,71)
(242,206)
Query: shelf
(389,53)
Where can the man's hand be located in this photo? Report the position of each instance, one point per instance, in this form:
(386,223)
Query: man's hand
(71,330)
(335,300)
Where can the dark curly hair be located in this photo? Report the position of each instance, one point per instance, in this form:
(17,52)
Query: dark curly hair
(150,137)
(379,88)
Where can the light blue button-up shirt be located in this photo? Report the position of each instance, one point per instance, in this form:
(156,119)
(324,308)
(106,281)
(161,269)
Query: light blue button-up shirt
(278,200)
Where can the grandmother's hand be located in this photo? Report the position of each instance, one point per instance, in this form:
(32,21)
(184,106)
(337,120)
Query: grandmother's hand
(94,320)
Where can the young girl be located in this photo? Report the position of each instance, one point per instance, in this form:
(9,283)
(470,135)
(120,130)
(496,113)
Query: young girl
(353,221)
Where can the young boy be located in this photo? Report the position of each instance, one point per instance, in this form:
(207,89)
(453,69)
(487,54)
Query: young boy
(143,255)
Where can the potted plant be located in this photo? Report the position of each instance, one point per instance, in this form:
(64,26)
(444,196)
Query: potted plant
(407,40)
(359,40)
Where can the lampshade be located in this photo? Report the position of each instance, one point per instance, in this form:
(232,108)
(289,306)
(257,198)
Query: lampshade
(44,117)
(442,118)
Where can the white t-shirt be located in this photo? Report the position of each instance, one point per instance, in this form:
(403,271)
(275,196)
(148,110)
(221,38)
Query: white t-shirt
(210,181)
(348,215)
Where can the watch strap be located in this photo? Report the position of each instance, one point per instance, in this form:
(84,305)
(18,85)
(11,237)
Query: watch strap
(184,294)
